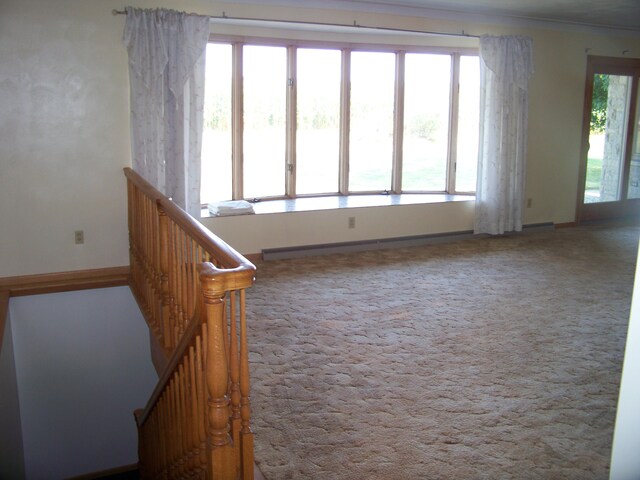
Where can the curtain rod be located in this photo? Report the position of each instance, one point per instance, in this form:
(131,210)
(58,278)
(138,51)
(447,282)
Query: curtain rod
(323,24)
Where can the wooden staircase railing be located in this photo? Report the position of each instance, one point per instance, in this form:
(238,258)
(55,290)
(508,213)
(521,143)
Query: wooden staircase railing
(190,286)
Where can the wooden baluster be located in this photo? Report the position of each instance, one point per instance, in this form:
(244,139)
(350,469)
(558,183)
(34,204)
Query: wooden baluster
(192,398)
(202,395)
(234,374)
(183,419)
(131,198)
(163,253)
(170,312)
(182,284)
(153,261)
(151,271)
(191,279)
(220,455)
(165,439)
(176,260)
(177,418)
(189,418)
(143,254)
(225,330)
(245,408)
(169,432)
(152,439)
(144,233)
(184,252)
(158,447)
(176,283)
(175,448)
(179,424)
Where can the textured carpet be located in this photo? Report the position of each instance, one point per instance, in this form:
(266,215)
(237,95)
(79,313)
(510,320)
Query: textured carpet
(487,358)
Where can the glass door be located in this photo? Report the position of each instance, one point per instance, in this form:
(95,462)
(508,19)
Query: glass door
(610,178)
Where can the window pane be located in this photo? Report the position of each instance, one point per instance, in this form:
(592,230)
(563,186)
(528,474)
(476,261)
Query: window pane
(634,172)
(426,122)
(216,136)
(607,138)
(468,124)
(318,123)
(371,128)
(265,85)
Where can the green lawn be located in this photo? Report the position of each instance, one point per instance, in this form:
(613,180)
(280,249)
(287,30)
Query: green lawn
(594,174)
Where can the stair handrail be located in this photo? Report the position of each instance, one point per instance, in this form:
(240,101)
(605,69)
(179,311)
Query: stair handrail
(197,420)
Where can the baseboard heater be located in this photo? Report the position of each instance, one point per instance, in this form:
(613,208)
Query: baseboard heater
(383,243)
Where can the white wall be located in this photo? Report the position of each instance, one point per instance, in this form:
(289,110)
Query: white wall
(63,136)
(253,233)
(11,451)
(625,455)
(64,131)
(83,366)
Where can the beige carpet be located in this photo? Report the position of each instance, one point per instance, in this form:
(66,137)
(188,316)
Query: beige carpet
(490,358)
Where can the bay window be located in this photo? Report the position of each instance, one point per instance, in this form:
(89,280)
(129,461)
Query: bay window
(285,121)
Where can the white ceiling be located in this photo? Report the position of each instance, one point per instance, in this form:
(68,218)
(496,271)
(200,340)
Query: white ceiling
(603,13)
(615,14)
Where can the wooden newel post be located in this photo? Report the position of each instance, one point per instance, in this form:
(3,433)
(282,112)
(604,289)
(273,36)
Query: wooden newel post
(220,453)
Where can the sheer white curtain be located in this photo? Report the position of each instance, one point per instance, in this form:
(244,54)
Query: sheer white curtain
(166,75)
(506,64)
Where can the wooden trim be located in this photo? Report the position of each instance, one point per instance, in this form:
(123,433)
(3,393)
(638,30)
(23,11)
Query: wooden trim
(345,114)
(106,473)
(253,257)
(291,121)
(237,121)
(565,225)
(65,281)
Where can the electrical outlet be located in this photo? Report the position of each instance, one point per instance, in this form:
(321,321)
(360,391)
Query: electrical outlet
(352,222)
(529,202)
(79,236)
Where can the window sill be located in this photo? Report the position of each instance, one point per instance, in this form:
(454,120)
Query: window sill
(337,202)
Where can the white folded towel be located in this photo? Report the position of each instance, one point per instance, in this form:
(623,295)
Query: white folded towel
(232,207)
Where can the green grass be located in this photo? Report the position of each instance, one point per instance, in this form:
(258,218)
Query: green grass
(594,174)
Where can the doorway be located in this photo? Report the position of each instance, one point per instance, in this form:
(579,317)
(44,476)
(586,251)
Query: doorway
(610,160)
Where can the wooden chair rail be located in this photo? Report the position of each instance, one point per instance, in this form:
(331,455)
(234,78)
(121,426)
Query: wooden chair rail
(190,286)
(65,281)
